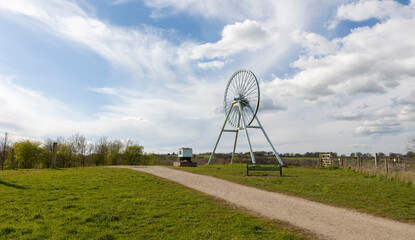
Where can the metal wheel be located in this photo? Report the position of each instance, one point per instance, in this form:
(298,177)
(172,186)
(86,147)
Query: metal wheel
(242,87)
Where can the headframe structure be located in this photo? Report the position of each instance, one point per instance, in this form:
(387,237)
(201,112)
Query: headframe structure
(241,102)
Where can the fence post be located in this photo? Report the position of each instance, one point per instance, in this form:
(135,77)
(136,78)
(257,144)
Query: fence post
(12,158)
(386,165)
(376,162)
(54,154)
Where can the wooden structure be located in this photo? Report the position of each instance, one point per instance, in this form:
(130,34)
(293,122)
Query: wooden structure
(325,159)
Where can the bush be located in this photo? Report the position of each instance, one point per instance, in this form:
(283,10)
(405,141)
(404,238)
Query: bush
(134,155)
(27,154)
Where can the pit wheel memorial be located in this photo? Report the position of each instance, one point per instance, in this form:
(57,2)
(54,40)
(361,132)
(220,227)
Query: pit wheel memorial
(241,103)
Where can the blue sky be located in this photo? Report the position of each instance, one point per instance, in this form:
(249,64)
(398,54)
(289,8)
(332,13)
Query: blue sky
(334,75)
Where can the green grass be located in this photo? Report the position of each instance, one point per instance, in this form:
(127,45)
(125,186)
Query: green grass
(299,158)
(110,203)
(339,187)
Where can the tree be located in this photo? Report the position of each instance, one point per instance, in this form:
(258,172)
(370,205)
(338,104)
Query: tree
(410,154)
(27,154)
(134,155)
(64,155)
(101,151)
(79,147)
(114,153)
(393,155)
(410,145)
(4,146)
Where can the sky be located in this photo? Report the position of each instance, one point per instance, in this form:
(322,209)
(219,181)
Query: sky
(334,75)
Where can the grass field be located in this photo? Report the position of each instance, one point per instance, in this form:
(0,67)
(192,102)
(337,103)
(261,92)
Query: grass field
(110,203)
(339,187)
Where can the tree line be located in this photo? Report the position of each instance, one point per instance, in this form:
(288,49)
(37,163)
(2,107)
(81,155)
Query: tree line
(74,151)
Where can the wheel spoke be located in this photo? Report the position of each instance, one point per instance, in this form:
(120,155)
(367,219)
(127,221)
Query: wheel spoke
(242,84)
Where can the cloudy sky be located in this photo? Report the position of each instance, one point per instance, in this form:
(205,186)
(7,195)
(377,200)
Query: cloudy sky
(335,75)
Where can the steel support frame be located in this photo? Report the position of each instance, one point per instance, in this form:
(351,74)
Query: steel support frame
(266,136)
(246,133)
(220,135)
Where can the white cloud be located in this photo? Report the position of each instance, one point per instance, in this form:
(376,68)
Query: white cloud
(105,90)
(118,2)
(141,51)
(359,146)
(211,64)
(134,119)
(27,112)
(378,128)
(348,116)
(370,61)
(364,10)
(241,36)
(315,44)
(294,14)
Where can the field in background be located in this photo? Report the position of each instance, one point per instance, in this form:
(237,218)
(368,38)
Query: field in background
(403,168)
(224,158)
(378,195)
(112,203)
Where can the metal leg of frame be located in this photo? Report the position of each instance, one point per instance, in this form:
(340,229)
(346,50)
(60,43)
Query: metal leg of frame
(220,135)
(266,136)
(236,139)
(246,132)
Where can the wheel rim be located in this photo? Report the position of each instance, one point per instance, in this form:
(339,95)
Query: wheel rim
(242,86)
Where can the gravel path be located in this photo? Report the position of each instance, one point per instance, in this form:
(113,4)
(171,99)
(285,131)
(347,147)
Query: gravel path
(326,221)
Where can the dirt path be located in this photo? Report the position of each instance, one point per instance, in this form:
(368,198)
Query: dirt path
(327,221)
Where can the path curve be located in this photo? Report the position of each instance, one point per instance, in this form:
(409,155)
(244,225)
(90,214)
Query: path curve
(327,221)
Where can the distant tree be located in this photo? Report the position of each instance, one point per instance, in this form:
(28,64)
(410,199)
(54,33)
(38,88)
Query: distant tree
(79,147)
(27,154)
(64,156)
(4,146)
(134,155)
(367,155)
(149,159)
(410,154)
(393,155)
(115,152)
(410,145)
(381,154)
(101,151)
(352,155)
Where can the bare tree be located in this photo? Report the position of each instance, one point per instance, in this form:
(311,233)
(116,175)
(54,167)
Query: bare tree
(101,151)
(410,145)
(4,145)
(78,146)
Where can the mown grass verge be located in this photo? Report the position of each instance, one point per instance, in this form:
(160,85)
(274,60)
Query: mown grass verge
(378,195)
(112,203)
